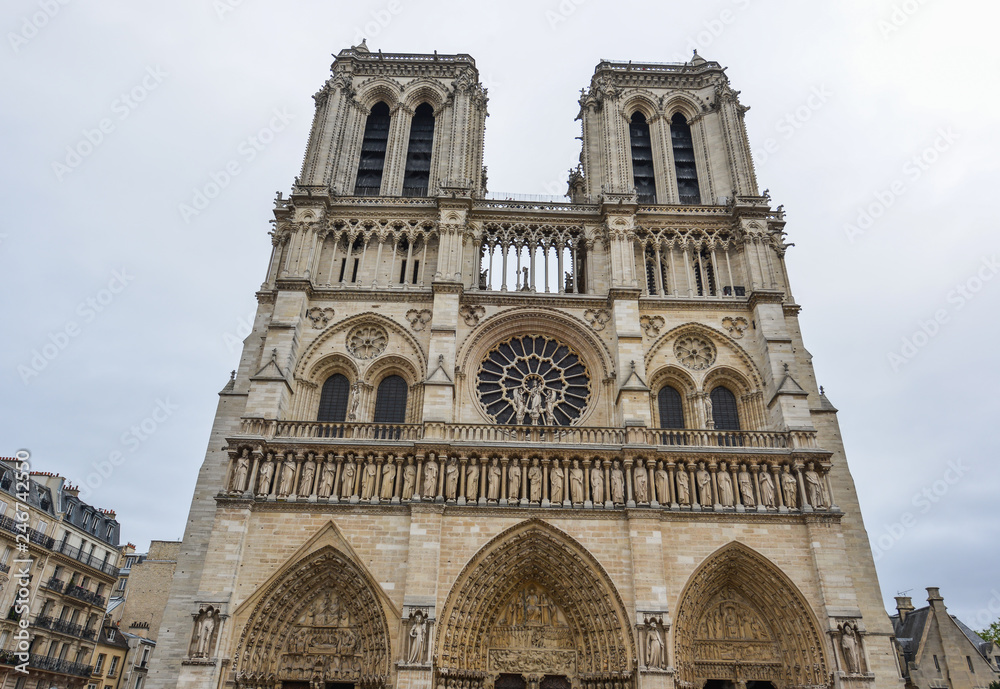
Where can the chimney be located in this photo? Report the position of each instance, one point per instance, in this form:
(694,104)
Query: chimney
(934,595)
(904,606)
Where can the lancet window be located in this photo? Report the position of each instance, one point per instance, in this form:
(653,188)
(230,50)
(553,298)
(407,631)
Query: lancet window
(416,177)
(333,399)
(373,146)
(642,159)
(724,411)
(684,163)
(671,408)
(390,401)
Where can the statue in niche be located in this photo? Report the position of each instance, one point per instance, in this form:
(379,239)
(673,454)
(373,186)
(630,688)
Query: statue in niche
(520,406)
(617,484)
(704,480)
(726,496)
(409,480)
(535,482)
(597,483)
(347,478)
(535,403)
(239,483)
(549,410)
(709,417)
(204,629)
(355,401)
(851,647)
(576,483)
(266,474)
(451,480)
(746,487)
(308,473)
(790,488)
(683,486)
(430,479)
(418,633)
(662,480)
(766,489)
(641,484)
(287,476)
(326,477)
(368,476)
(493,478)
(814,487)
(654,646)
(514,480)
(556,478)
(388,479)
(471,482)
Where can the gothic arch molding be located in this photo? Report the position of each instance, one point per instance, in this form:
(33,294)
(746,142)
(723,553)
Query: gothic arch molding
(740,618)
(424,90)
(535,554)
(640,101)
(721,341)
(379,89)
(683,104)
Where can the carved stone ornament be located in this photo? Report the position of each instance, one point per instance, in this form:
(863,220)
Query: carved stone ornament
(598,318)
(735,326)
(205,634)
(418,318)
(472,314)
(694,352)
(320,317)
(651,325)
(367,341)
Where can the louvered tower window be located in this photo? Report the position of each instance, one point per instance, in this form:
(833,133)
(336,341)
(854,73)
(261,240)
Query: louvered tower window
(687,173)
(333,399)
(724,411)
(671,408)
(390,401)
(417,176)
(369,181)
(642,159)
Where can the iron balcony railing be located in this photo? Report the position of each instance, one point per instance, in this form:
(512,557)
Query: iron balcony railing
(64,667)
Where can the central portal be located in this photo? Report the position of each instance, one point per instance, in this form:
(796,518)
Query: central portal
(531,636)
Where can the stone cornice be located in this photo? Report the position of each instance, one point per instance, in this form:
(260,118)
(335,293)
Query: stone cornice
(765,296)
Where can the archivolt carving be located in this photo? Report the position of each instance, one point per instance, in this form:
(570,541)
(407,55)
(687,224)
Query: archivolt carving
(535,600)
(321,345)
(378,88)
(721,341)
(741,618)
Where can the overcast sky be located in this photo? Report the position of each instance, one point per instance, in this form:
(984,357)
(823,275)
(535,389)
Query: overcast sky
(873,122)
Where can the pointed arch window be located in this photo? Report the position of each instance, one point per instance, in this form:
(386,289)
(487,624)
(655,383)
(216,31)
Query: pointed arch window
(372,163)
(671,408)
(684,165)
(417,175)
(724,412)
(390,401)
(333,399)
(642,158)
(704,274)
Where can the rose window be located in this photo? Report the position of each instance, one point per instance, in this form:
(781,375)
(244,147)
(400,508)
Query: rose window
(694,352)
(367,341)
(533,380)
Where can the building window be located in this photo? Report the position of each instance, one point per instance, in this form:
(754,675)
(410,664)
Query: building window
(4,635)
(684,165)
(6,555)
(724,412)
(390,401)
(937,665)
(3,507)
(369,181)
(671,408)
(333,399)
(704,275)
(138,681)
(41,527)
(121,584)
(69,510)
(642,159)
(417,176)
(968,659)
(145,657)
(114,662)
(111,530)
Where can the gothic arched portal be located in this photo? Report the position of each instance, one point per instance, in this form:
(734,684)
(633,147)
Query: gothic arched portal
(534,603)
(740,619)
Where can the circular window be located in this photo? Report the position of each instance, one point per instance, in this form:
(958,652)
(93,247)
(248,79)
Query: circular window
(533,380)
(694,352)
(367,341)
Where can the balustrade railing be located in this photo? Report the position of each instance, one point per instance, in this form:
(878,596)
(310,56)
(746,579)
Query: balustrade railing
(86,596)
(86,558)
(64,667)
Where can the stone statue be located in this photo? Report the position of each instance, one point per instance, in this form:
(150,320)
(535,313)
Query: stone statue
(641,484)
(409,481)
(347,479)
(520,406)
(597,483)
(368,477)
(418,631)
(662,480)
(550,407)
(726,496)
(766,489)
(557,478)
(790,487)
(493,477)
(471,482)
(287,476)
(814,487)
(326,477)
(239,483)
(683,486)
(576,483)
(451,480)
(525,287)
(704,481)
(514,480)
(355,401)
(535,482)
(709,418)
(266,473)
(617,484)
(388,479)
(430,479)
(654,647)
(308,473)
(205,627)
(850,646)
(535,403)
(746,487)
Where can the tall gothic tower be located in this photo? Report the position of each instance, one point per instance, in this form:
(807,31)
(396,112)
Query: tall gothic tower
(478,443)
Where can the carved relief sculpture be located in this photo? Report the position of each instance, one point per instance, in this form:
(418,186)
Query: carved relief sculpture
(556,477)
(535,482)
(388,479)
(617,484)
(694,352)
(767,494)
(418,635)
(704,480)
(790,487)
(683,486)
(641,484)
(308,473)
(368,477)
(493,478)
(347,479)
(430,479)
(202,640)
(239,483)
(654,646)
(513,481)
(597,483)
(746,487)
(814,487)
(418,318)
(576,483)
(367,341)
(850,645)
(409,480)
(451,480)
(726,496)
(266,474)
(287,476)
(326,477)
(472,482)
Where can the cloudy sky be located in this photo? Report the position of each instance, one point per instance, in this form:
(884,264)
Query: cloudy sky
(873,122)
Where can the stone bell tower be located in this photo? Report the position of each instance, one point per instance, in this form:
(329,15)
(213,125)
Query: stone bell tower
(479,443)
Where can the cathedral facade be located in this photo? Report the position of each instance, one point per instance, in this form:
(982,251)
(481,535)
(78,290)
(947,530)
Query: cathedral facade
(480,442)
